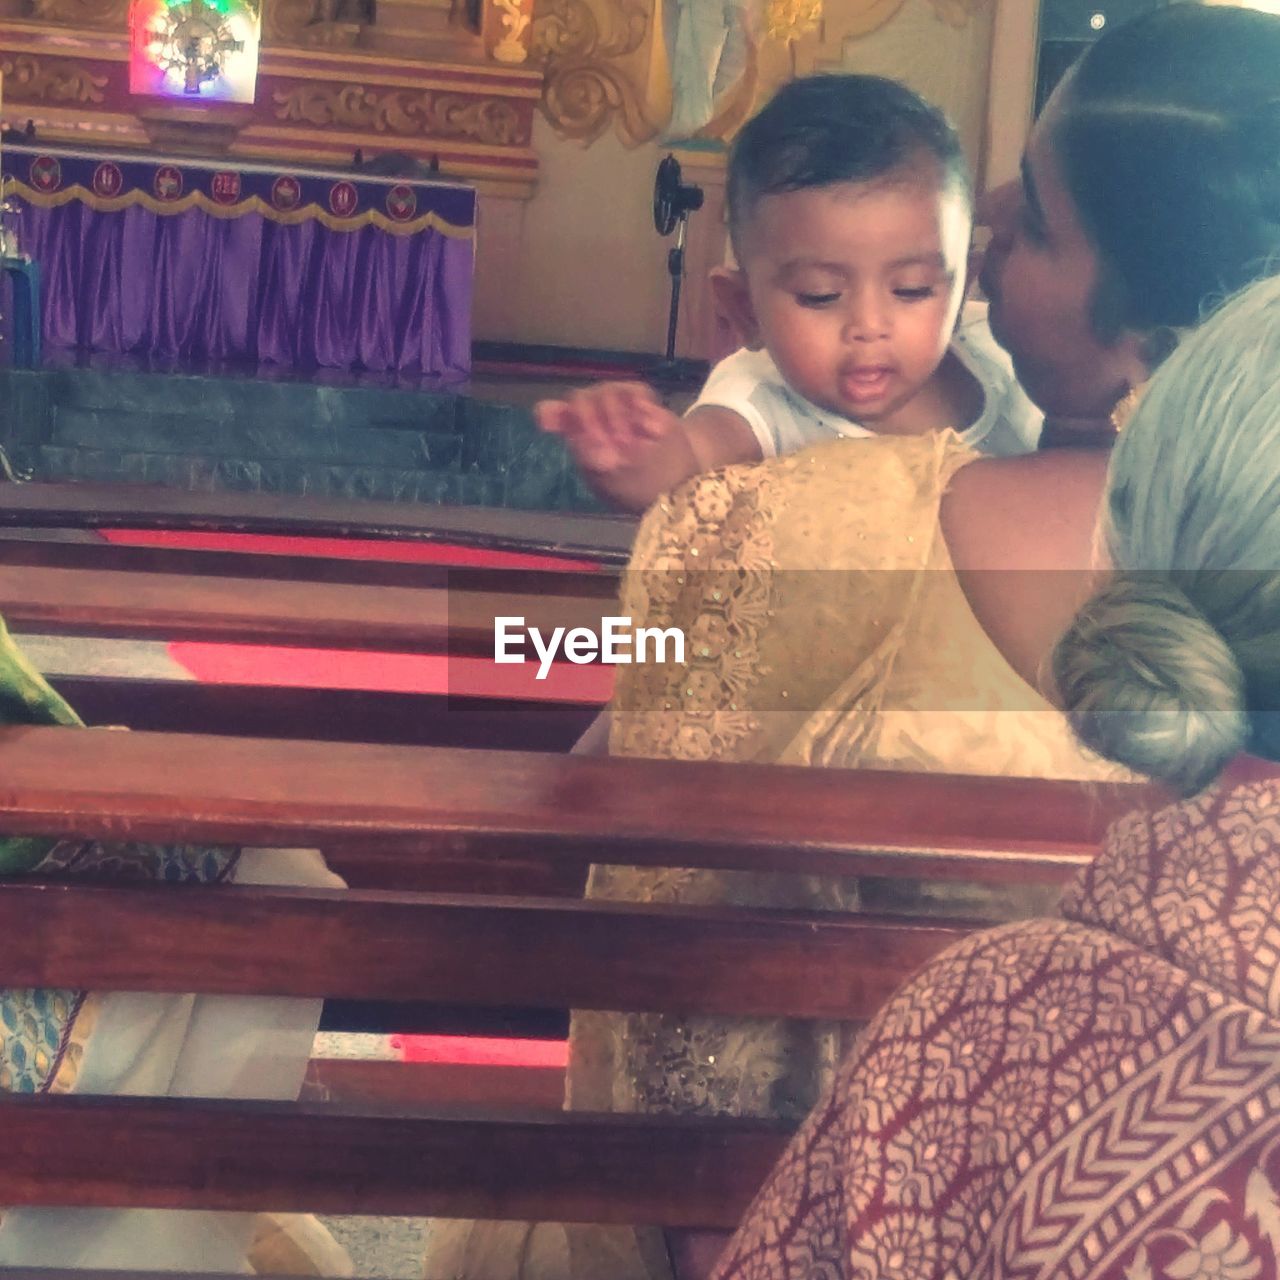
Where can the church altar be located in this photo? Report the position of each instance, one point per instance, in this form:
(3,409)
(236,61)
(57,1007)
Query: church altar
(186,260)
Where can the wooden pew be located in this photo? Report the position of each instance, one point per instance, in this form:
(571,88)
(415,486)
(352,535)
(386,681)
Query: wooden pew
(301,564)
(392,944)
(602,538)
(328,715)
(296,598)
(162,606)
(438,621)
(408,804)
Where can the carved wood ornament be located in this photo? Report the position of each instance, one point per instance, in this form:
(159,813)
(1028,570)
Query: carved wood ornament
(604,65)
(31,80)
(402,112)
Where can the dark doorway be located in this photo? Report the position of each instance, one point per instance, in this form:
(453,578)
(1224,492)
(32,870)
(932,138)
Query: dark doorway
(1068,27)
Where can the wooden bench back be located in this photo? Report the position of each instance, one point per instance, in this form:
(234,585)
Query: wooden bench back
(603,538)
(407,801)
(289,596)
(340,615)
(395,809)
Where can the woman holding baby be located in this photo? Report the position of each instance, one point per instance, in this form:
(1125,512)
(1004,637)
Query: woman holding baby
(893,603)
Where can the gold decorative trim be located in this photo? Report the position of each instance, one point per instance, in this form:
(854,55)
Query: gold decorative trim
(606,61)
(254,204)
(529,91)
(786,20)
(596,54)
(271,58)
(404,113)
(487,180)
(30,79)
(508,30)
(342,142)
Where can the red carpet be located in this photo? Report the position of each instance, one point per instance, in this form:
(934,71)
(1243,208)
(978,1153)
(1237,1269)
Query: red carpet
(480,1051)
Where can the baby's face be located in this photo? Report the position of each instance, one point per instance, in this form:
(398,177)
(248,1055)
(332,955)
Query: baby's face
(855,288)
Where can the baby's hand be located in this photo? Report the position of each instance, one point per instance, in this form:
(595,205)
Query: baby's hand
(608,428)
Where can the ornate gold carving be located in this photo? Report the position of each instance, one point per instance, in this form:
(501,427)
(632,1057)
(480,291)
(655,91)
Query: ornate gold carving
(577,28)
(605,63)
(403,112)
(790,19)
(485,119)
(513,47)
(110,14)
(597,57)
(30,79)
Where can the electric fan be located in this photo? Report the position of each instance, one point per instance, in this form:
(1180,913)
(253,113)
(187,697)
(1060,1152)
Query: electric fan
(673,202)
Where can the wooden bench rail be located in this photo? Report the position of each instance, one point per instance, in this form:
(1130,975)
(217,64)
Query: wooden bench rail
(358,715)
(120,558)
(395,811)
(605,538)
(164,606)
(327,715)
(388,1082)
(491,804)
(556,1167)
(541,954)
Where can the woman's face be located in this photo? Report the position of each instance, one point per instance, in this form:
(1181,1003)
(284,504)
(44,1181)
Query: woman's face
(1040,273)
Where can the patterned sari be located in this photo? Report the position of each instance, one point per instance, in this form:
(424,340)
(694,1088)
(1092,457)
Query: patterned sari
(1095,1096)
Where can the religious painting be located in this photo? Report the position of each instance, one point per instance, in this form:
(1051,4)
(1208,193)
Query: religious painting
(194,49)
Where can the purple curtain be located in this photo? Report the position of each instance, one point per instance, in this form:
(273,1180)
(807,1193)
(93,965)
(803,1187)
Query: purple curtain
(190,286)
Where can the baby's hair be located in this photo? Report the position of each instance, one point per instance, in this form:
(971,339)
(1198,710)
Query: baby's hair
(1174,665)
(823,129)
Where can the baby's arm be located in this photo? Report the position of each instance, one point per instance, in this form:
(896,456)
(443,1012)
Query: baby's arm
(632,449)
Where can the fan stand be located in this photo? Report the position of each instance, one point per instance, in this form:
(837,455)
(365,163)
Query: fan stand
(675,269)
(673,202)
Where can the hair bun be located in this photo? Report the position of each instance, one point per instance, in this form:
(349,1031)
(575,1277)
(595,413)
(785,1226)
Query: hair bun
(1148,681)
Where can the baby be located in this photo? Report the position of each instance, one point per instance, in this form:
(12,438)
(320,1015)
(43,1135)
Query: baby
(850,212)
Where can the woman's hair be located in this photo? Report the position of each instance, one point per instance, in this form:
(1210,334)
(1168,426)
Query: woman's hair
(1174,665)
(1169,142)
(822,129)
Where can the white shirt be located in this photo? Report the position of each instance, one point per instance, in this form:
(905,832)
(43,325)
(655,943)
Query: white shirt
(783,421)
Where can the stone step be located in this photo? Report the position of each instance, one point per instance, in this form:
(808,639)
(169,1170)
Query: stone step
(244,434)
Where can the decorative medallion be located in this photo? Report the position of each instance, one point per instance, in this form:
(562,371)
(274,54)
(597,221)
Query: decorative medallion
(108,181)
(286,192)
(402,203)
(46,173)
(168,182)
(343,199)
(225,187)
